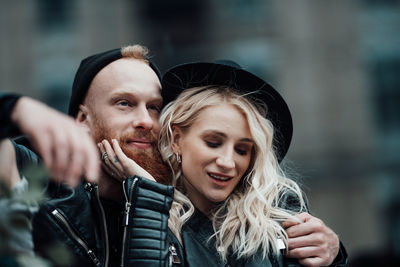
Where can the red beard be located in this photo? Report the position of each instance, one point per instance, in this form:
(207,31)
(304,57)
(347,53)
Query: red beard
(149,160)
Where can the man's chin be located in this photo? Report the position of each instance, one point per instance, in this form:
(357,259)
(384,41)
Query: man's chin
(133,151)
(137,154)
(151,162)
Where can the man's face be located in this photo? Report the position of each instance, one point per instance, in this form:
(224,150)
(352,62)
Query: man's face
(124,102)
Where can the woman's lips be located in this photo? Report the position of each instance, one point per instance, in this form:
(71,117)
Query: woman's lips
(219,179)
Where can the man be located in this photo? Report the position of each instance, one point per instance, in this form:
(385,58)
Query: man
(116,94)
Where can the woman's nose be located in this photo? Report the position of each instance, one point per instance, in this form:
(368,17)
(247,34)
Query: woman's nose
(225,160)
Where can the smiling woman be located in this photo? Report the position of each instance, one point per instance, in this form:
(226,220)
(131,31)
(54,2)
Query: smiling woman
(229,182)
(215,152)
(223,135)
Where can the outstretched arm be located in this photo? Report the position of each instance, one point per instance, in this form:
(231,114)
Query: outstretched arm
(68,152)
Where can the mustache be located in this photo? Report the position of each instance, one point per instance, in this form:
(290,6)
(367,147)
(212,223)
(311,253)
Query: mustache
(124,138)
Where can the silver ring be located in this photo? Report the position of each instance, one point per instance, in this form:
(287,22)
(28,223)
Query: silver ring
(104,156)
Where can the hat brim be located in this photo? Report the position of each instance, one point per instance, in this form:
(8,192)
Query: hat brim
(190,75)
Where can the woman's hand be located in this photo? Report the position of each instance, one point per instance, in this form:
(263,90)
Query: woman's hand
(117,164)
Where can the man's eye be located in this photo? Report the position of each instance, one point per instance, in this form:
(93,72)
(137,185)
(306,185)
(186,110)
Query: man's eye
(123,103)
(155,107)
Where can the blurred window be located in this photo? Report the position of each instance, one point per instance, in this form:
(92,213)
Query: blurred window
(386,94)
(54,15)
(380,2)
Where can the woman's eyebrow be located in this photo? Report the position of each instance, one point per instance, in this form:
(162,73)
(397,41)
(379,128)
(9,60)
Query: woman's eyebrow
(249,140)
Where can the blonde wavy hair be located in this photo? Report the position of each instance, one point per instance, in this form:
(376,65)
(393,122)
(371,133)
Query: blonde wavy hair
(250,218)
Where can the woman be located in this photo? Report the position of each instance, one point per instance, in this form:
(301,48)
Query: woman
(224,137)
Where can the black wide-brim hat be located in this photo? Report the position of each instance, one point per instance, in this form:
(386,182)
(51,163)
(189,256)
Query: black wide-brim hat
(229,73)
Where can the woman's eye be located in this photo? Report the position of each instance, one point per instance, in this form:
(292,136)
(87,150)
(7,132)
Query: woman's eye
(212,144)
(242,151)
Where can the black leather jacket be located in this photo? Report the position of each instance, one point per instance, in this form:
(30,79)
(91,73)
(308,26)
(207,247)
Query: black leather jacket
(199,250)
(76,219)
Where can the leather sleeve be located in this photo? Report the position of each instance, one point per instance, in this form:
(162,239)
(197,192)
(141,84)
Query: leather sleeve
(146,237)
(7,103)
(25,158)
(342,259)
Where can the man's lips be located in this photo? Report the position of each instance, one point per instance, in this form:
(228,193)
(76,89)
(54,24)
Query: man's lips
(139,143)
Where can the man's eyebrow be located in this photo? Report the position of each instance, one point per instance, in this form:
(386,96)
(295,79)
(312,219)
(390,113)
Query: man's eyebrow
(157,99)
(123,93)
(128,94)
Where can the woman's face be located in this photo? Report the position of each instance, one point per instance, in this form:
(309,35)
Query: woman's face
(216,152)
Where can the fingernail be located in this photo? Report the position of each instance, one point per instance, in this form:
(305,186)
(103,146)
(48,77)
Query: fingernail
(92,179)
(91,176)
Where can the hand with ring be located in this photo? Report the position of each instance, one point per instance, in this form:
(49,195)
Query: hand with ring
(104,156)
(117,164)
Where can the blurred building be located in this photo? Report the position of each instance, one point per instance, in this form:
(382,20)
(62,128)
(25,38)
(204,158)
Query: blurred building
(336,62)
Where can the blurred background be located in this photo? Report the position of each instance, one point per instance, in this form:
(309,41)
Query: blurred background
(336,62)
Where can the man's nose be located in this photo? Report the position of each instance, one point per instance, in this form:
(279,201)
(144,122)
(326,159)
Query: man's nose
(225,160)
(142,119)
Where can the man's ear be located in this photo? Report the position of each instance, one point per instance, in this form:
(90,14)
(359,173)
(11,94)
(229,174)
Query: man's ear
(83,118)
(176,139)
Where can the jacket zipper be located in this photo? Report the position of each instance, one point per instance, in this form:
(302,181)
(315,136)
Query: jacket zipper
(62,220)
(103,218)
(173,257)
(127,210)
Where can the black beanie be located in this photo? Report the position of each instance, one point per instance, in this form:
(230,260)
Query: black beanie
(86,72)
